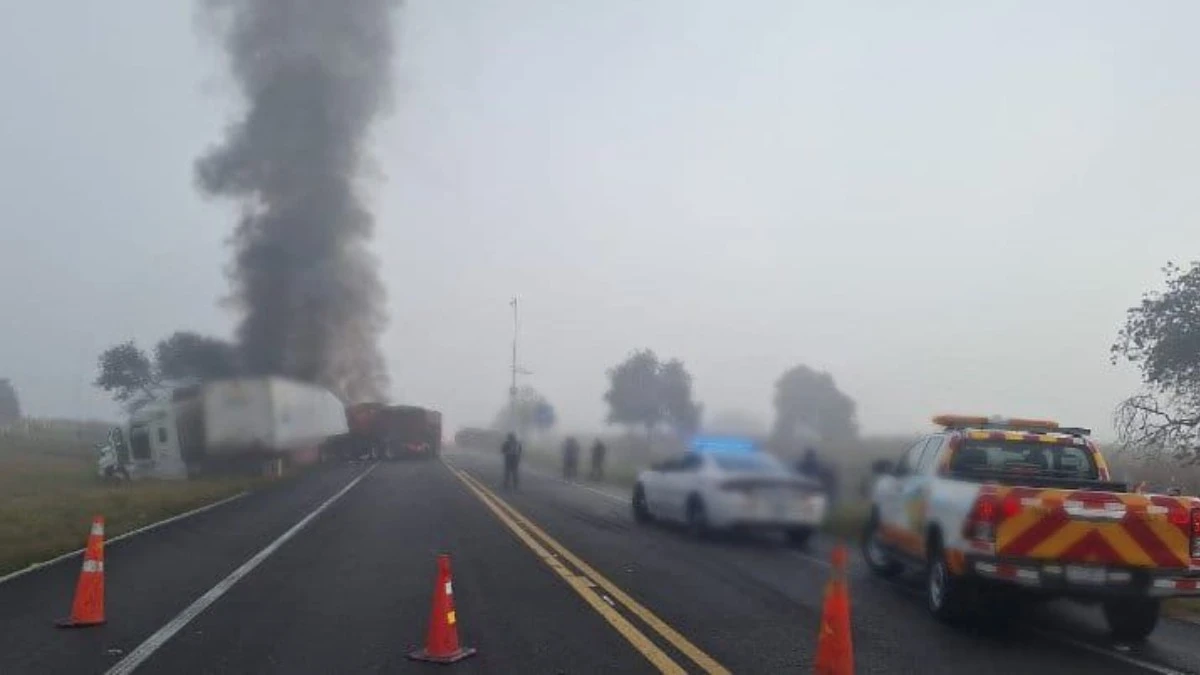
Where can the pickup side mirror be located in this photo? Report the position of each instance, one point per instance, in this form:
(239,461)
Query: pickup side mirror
(883,467)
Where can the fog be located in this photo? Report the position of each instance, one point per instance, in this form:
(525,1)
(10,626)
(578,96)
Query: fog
(948,209)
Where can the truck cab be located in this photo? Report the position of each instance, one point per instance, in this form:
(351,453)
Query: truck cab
(146,446)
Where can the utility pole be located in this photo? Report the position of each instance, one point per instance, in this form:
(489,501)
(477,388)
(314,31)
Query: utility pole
(514,370)
(512,388)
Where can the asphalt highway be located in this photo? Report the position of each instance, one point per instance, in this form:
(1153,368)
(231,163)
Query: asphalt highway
(333,572)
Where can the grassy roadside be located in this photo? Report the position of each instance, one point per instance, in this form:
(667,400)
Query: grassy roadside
(49,493)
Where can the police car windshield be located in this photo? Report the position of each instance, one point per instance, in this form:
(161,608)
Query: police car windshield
(748,463)
(1025,459)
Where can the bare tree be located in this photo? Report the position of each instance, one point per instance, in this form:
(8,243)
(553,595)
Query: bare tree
(1161,336)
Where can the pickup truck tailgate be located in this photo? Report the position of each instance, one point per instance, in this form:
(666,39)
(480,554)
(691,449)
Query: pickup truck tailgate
(1100,528)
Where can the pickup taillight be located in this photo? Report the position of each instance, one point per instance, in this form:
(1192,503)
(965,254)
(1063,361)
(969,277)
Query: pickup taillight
(986,515)
(1194,527)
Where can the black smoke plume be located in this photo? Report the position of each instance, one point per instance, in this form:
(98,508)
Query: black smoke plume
(315,74)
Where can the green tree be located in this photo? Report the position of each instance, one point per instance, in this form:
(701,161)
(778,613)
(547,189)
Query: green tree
(675,392)
(1161,336)
(646,392)
(809,406)
(133,378)
(632,395)
(191,356)
(126,373)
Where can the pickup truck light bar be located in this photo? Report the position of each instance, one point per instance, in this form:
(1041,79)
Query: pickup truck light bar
(1007,423)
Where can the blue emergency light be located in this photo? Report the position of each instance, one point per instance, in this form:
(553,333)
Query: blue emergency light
(725,444)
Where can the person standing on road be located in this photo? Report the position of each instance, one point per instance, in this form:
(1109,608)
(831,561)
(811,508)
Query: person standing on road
(512,461)
(570,458)
(814,468)
(810,466)
(598,452)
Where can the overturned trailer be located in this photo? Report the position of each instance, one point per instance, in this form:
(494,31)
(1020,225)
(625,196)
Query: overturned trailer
(244,425)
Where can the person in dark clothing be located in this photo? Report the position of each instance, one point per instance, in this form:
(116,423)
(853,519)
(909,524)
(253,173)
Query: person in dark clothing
(570,458)
(810,465)
(512,461)
(598,452)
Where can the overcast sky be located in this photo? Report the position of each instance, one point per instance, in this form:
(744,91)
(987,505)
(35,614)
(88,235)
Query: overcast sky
(948,206)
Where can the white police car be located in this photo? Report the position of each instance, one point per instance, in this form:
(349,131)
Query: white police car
(728,484)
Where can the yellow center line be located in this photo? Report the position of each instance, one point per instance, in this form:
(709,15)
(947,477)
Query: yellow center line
(580,585)
(701,659)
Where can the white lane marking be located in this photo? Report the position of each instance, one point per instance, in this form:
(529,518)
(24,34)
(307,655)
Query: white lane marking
(602,493)
(808,557)
(119,537)
(1096,649)
(152,643)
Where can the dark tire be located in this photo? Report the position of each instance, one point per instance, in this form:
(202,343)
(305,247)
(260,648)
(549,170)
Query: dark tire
(641,512)
(799,536)
(878,560)
(945,594)
(1131,619)
(697,519)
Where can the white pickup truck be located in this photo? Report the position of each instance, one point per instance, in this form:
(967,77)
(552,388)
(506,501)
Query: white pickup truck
(989,506)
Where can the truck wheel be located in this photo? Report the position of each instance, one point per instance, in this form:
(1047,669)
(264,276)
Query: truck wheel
(945,593)
(1131,619)
(878,560)
(641,512)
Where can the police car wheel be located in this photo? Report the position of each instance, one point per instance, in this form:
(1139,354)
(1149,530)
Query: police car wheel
(799,536)
(641,512)
(697,518)
(1132,619)
(874,553)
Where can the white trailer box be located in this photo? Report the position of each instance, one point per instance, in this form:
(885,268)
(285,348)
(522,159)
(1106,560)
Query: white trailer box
(270,414)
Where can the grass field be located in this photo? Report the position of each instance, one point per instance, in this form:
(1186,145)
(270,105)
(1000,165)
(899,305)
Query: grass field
(49,493)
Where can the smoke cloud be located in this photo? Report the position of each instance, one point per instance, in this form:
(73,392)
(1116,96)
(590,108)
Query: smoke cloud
(315,74)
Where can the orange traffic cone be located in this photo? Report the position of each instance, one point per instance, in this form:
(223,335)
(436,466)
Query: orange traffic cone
(441,645)
(88,607)
(835,653)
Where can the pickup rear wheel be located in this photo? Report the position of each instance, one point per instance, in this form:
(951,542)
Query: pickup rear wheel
(1131,619)
(944,592)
